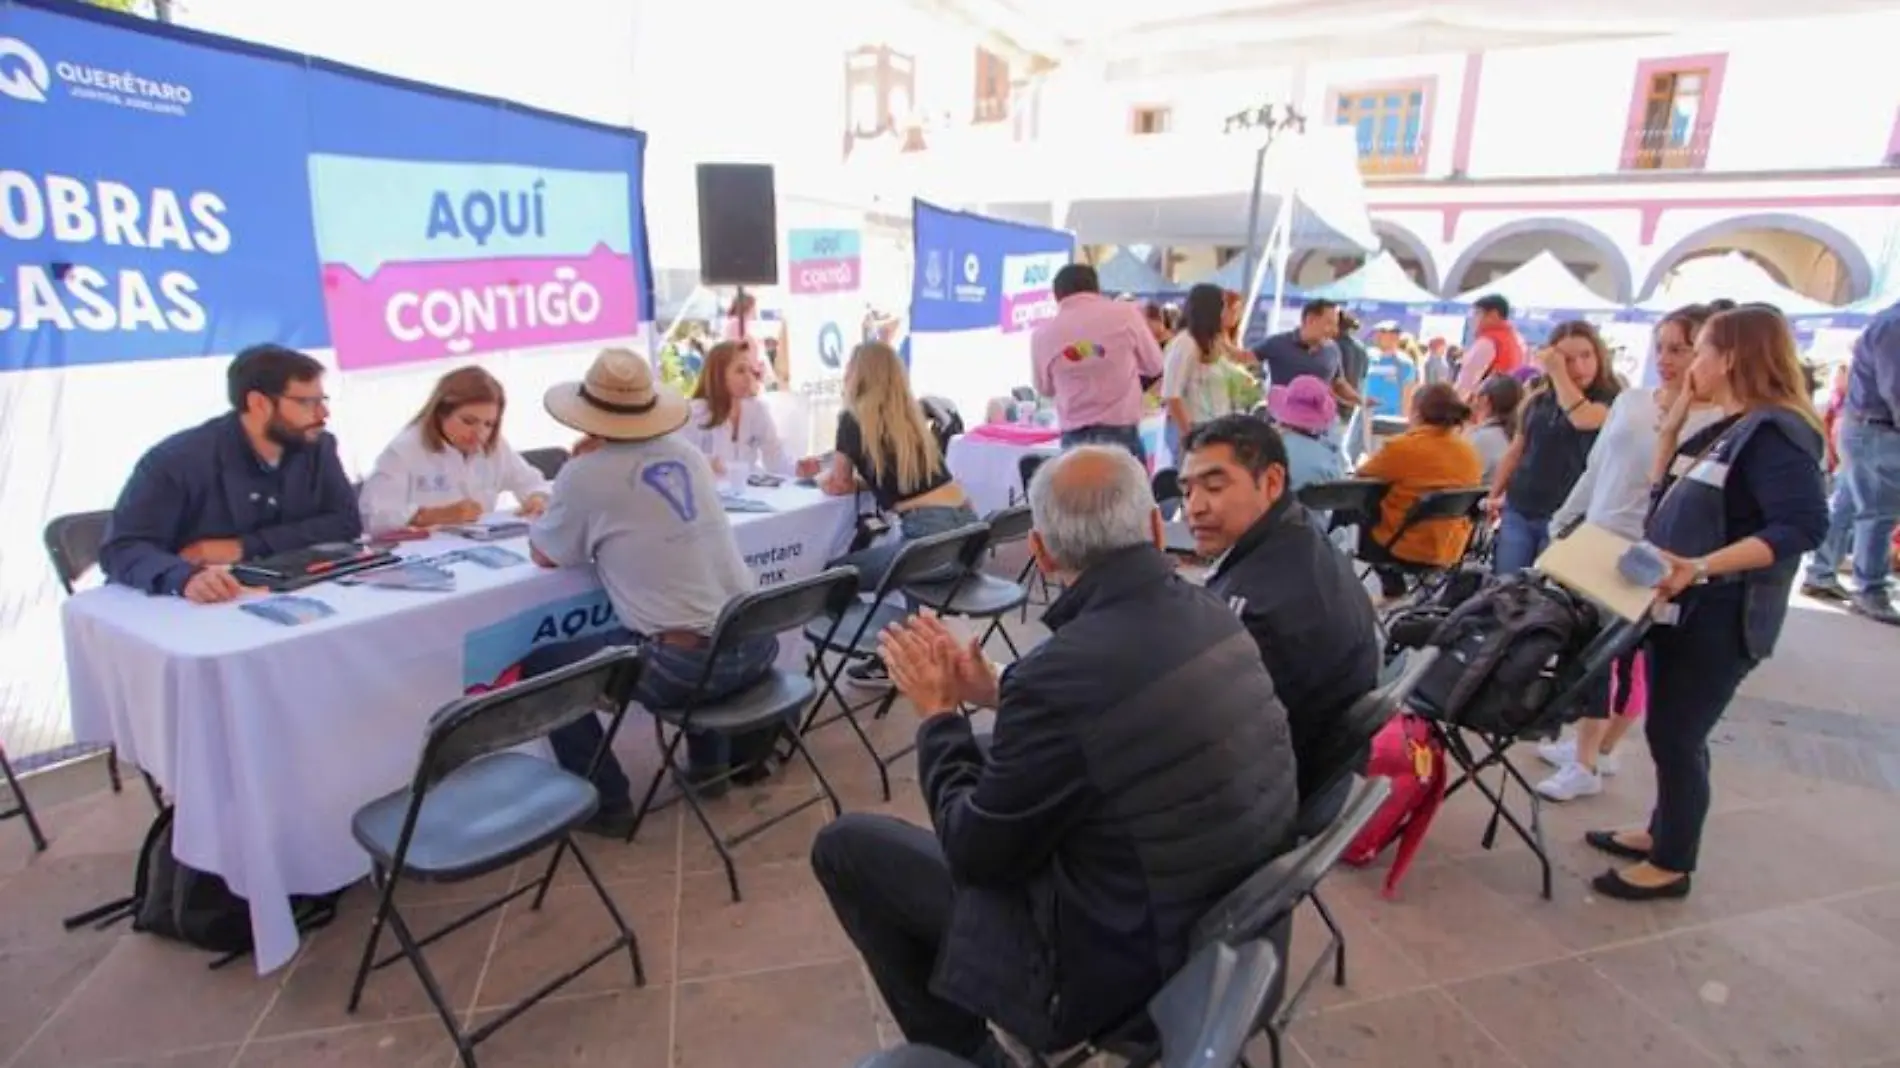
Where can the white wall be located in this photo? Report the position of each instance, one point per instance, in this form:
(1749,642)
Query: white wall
(1561,111)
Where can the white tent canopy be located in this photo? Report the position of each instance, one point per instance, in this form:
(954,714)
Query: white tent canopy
(1733,277)
(1381,280)
(1118,202)
(1543,282)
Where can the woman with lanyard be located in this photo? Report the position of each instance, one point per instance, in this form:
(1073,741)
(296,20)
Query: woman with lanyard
(1736,506)
(1614,494)
(1557,426)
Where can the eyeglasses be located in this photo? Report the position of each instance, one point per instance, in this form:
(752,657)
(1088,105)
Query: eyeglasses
(308,403)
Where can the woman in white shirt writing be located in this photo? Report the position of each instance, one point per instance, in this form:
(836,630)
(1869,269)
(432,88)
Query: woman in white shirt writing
(730,424)
(1613,493)
(451,464)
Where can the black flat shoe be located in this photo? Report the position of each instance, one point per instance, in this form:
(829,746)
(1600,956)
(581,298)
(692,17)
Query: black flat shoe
(1611,884)
(1605,842)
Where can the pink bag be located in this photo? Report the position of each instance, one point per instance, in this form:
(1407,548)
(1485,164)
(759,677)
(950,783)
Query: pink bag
(1407,752)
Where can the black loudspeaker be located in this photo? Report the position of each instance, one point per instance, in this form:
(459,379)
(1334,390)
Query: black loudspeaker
(738,225)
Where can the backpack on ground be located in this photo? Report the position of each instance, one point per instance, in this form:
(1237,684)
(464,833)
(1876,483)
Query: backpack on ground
(1408,753)
(181,903)
(1500,656)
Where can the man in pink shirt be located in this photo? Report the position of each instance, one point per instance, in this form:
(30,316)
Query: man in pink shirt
(1093,358)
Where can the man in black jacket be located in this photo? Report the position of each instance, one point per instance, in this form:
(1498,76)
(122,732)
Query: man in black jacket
(1293,590)
(263,478)
(1140,770)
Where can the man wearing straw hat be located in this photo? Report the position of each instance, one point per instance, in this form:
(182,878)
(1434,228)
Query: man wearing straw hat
(640,503)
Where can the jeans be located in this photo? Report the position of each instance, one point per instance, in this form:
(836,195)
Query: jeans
(1521,540)
(890,888)
(874,563)
(1128,437)
(669,681)
(1694,671)
(1864,508)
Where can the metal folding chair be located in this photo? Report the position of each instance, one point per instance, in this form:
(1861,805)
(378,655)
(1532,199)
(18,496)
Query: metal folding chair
(850,633)
(22,807)
(1260,909)
(72,544)
(1169,498)
(981,596)
(1346,502)
(475,807)
(1204,1015)
(1585,678)
(1032,577)
(548,461)
(1437,506)
(763,705)
(1267,900)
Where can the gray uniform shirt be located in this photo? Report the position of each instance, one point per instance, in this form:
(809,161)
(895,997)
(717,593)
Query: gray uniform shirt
(647,514)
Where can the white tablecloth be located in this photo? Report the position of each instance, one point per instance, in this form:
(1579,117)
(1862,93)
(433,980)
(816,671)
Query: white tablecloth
(270,737)
(988,470)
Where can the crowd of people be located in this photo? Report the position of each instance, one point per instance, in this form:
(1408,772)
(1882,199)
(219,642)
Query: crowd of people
(1160,745)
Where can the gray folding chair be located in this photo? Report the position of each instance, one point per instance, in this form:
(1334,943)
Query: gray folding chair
(1267,900)
(475,806)
(1172,500)
(22,807)
(72,544)
(850,632)
(764,705)
(982,596)
(548,461)
(1204,1014)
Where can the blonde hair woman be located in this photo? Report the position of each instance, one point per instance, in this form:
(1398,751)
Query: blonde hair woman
(451,464)
(886,448)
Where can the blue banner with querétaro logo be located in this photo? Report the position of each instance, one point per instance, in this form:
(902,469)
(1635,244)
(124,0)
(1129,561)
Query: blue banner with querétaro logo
(169,194)
(977,273)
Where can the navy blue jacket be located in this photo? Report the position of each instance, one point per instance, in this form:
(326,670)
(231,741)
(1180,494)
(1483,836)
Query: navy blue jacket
(207,482)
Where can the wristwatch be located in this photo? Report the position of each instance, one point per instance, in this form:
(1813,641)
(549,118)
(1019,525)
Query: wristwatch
(1701,565)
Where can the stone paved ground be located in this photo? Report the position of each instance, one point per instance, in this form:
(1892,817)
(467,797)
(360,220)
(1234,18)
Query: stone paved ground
(1788,955)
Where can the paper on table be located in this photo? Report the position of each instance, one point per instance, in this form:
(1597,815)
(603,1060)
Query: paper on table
(1586,563)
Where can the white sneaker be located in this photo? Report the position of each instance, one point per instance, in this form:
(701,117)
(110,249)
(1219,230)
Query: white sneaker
(1558,754)
(1563,753)
(1571,782)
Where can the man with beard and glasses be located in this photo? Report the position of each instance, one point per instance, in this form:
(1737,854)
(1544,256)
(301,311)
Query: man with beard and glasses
(259,480)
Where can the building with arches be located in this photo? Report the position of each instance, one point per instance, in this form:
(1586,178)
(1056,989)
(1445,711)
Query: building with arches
(1624,150)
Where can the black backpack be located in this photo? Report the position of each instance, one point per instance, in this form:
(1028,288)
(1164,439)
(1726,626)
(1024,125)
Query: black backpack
(172,900)
(944,419)
(1501,656)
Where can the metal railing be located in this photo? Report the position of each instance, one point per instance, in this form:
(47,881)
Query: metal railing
(1665,148)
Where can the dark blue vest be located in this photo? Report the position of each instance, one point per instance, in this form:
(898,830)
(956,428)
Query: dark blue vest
(1691,520)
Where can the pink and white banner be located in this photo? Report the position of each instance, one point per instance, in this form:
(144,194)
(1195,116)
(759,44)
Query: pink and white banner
(1027,297)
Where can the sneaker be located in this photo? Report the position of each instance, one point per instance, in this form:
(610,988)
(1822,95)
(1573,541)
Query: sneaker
(869,675)
(1825,589)
(1875,605)
(1558,754)
(1563,752)
(1571,782)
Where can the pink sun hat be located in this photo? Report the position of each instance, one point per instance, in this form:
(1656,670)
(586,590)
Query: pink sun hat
(1306,403)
